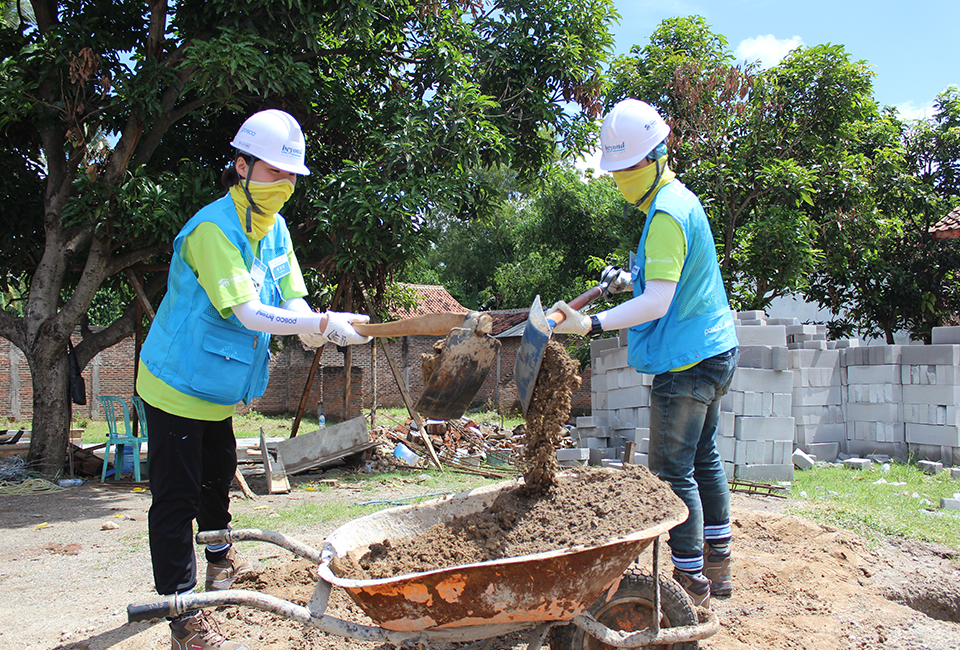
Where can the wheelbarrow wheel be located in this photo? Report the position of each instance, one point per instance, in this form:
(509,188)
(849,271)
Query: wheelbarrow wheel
(631,609)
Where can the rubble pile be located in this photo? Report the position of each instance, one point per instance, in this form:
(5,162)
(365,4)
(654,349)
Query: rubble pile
(463,442)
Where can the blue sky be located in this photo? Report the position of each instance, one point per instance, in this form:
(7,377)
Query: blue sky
(911,46)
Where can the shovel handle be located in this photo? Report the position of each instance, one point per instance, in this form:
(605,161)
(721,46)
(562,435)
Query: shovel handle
(426,325)
(577,303)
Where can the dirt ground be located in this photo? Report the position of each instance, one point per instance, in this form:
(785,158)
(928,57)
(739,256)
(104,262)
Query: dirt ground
(66,579)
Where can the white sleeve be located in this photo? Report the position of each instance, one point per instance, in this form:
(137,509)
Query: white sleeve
(276,320)
(652,304)
(297,304)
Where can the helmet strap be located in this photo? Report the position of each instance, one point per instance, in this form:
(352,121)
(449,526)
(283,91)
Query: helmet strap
(656,182)
(246,190)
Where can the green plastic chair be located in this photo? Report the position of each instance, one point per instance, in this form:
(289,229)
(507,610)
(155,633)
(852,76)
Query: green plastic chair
(112,406)
(142,422)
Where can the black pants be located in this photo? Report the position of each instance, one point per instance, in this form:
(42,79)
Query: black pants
(192,464)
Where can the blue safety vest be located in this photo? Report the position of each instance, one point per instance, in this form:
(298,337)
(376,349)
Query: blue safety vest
(698,324)
(191,347)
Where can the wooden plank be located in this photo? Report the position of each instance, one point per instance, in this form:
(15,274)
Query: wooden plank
(309,450)
(629,449)
(404,393)
(243,484)
(277,481)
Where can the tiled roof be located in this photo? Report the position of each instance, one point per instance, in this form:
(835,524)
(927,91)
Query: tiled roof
(431,299)
(506,318)
(948,227)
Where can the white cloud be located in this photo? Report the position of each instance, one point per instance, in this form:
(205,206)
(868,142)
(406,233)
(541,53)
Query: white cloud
(910,111)
(768,50)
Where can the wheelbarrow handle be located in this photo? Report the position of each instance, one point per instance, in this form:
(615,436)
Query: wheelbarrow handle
(150,611)
(577,303)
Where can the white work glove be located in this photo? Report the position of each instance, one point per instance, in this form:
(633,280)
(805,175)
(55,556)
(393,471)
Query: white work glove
(314,340)
(340,330)
(615,280)
(575,322)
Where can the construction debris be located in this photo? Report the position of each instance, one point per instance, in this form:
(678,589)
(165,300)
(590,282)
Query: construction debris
(486,449)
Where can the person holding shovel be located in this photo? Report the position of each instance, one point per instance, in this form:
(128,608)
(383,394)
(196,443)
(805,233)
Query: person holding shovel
(234,281)
(681,330)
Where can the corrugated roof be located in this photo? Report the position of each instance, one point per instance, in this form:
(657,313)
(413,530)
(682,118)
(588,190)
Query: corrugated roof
(948,227)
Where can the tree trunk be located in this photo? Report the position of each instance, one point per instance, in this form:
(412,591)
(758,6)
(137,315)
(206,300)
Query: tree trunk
(50,374)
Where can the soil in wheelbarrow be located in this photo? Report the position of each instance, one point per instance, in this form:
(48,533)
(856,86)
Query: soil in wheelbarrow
(593,505)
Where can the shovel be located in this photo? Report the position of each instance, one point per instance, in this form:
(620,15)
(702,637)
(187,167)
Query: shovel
(468,354)
(536,335)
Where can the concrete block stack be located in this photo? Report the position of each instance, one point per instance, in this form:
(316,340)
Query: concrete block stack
(931,397)
(796,390)
(871,379)
(756,431)
(818,402)
(621,406)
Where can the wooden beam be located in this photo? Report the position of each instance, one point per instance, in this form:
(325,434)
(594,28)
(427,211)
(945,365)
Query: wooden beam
(141,295)
(306,391)
(404,393)
(242,482)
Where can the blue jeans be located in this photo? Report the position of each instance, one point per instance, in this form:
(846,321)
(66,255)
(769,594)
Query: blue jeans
(684,412)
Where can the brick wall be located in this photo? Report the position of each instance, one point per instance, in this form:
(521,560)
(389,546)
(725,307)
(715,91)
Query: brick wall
(112,373)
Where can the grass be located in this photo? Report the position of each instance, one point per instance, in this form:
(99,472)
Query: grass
(900,501)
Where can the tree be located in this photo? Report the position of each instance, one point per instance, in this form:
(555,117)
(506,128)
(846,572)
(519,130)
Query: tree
(765,151)
(560,231)
(402,102)
(883,272)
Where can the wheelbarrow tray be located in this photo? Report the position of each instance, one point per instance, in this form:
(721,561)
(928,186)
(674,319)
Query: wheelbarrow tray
(489,597)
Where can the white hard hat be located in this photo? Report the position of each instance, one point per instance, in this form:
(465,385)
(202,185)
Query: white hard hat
(274,137)
(629,133)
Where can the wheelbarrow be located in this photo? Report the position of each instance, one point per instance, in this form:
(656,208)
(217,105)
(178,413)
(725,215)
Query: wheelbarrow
(583,597)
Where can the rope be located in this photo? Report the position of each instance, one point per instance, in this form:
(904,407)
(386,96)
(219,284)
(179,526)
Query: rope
(30,486)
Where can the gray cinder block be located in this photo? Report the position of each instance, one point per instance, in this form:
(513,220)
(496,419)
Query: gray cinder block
(802,460)
(858,463)
(930,467)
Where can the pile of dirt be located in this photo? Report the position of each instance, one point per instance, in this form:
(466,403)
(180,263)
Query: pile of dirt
(584,508)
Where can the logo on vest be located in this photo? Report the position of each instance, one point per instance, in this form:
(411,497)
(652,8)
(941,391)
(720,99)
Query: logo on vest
(717,327)
(232,280)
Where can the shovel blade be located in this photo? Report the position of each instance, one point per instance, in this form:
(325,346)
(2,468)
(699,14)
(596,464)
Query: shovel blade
(464,363)
(536,335)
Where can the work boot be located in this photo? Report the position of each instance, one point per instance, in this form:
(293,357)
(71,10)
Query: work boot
(696,586)
(222,573)
(716,566)
(198,632)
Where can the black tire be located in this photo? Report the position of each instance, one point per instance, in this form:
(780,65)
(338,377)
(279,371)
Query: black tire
(630,610)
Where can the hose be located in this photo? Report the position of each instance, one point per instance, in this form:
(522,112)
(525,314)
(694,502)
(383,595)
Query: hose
(29,486)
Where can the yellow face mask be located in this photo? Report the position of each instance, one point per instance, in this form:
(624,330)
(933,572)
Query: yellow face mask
(269,197)
(635,183)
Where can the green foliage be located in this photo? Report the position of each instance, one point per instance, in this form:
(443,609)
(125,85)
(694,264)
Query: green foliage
(404,104)
(809,187)
(559,231)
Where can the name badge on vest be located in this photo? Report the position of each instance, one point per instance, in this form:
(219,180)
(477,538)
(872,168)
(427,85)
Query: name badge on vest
(279,267)
(258,272)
